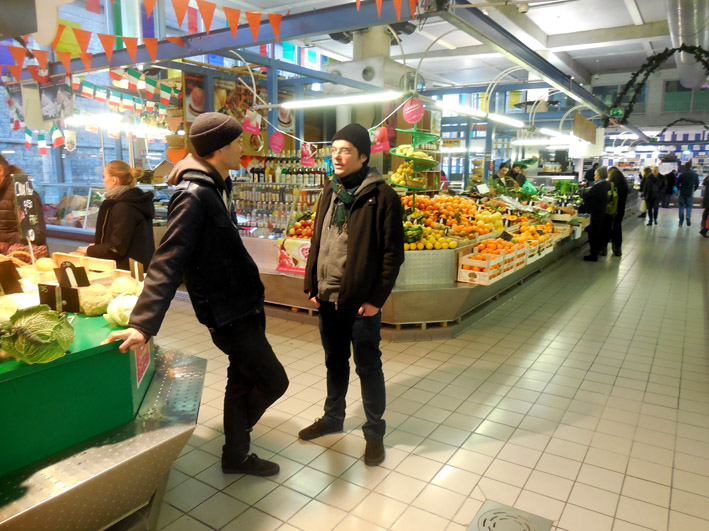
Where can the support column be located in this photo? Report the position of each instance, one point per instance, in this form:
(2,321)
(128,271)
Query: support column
(272,88)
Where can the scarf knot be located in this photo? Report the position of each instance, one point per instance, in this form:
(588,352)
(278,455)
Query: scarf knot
(344,189)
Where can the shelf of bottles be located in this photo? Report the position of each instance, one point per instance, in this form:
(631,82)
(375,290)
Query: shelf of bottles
(285,168)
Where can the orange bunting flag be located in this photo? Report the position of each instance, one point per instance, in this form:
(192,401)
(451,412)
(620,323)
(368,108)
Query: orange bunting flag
(65,58)
(232,17)
(86,59)
(358,1)
(206,9)
(180,7)
(275,21)
(379,8)
(82,37)
(254,18)
(149,5)
(34,72)
(176,40)
(42,56)
(16,71)
(412,7)
(151,44)
(397,9)
(108,42)
(57,36)
(131,45)
(18,54)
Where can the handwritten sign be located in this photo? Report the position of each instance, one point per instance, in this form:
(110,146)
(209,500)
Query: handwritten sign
(413,111)
(26,208)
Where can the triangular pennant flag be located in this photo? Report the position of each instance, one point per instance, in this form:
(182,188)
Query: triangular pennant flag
(57,136)
(151,44)
(358,2)
(165,93)
(108,42)
(379,8)
(254,18)
(176,40)
(232,17)
(26,38)
(18,54)
(275,20)
(397,9)
(65,58)
(116,74)
(75,82)
(57,36)
(82,37)
(133,78)
(412,6)
(150,85)
(42,56)
(28,137)
(131,45)
(206,9)
(87,89)
(41,144)
(101,94)
(180,7)
(16,71)
(86,59)
(149,5)
(34,72)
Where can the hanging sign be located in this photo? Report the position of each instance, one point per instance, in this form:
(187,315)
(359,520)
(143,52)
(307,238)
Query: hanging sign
(27,209)
(55,100)
(194,96)
(285,120)
(413,111)
(307,155)
(276,142)
(380,139)
(252,122)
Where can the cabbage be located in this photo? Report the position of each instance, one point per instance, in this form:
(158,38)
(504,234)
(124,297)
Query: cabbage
(125,285)
(119,309)
(37,335)
(94,299)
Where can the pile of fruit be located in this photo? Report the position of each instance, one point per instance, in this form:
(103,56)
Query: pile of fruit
(404,173)
(420,238)
(407,150)
(302,229)
(534,234)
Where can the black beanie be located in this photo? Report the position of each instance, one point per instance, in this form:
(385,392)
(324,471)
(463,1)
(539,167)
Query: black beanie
(358,136)
(212,131)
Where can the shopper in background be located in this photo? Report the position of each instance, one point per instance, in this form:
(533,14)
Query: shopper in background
(687,184)
(594,203)
(590,176)
(355,256)
(443,182)
(670,182)
(647,170)
(514,172)
(202,246)
(521,176)
(124,226)
(612,225)
(653,189)
(9,232)
(502,177)
(705,205)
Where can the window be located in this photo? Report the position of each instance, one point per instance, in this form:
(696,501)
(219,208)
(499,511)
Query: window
(677,98)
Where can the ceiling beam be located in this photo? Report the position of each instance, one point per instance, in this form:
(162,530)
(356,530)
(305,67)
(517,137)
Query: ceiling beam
(582,40)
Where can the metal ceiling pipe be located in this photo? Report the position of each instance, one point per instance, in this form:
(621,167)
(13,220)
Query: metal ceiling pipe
(688,22)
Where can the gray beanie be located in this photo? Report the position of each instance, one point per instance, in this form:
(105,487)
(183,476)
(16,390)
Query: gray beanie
(212,131)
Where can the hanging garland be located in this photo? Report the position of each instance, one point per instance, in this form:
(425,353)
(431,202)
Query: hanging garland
(652,64)
(689,120)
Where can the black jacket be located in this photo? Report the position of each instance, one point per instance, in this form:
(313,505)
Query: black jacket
(124,229)
(9,228)
(687,183)
(653,188)
(375,247)
(201,246)
(595,200)
(705,200)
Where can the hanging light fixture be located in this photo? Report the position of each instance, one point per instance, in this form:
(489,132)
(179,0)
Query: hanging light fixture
(351,99)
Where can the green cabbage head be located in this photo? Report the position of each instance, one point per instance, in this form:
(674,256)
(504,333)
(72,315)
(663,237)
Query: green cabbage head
(37,335)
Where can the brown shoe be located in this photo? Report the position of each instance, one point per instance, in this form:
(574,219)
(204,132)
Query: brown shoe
(316,429)
(374,452)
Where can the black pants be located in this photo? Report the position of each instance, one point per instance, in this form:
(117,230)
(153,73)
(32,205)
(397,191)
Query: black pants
(340,327)
(704,220)
(255,380)
(653,208)
(595,236)
(612,230)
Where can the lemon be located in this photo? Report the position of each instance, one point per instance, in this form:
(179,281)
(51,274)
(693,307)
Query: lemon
(436,245)
(420,246)
(406,247)
(453,245)
(429,246)
(445,245)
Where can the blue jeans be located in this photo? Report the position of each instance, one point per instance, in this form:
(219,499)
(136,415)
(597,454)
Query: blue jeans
(340,327)
(685,203)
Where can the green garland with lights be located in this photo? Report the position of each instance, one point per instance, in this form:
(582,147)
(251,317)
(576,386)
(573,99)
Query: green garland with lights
(689,120)
(653,63)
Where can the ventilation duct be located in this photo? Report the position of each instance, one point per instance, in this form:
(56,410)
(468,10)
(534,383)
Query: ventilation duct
(688,21)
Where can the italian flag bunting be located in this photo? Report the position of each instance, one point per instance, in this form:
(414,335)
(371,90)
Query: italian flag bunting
(87,89)
(138,104)
(150,86)
(126,102)
(75,83)
(165,93)
(101,94)
(115,99)
(28,137)
(41,144)
(150,106)
(57,136)
(116,74)
(162,111)
(133,78)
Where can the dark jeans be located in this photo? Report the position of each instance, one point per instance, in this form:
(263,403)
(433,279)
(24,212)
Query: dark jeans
(255,380)
(653,208)
(613,231)
(704,220)
(595,236)
(685,203)
(340,327)
(666,201)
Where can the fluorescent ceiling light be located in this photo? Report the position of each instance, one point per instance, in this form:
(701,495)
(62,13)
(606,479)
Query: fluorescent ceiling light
(460,109)
(551,132)
(557,147)
(505,120)
(540,141)
(351,99)
(454,150)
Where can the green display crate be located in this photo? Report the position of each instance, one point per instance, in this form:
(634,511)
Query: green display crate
(46,408)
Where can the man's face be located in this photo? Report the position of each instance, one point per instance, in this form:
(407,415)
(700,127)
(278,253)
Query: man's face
(504,170)
(345,158)
(516,169)
(232,153)
(655,171)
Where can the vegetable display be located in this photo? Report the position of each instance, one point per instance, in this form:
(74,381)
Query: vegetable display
(37,335)
(119,309)
(94,299)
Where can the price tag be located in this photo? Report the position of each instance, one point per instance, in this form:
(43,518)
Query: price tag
(506,236)
(27,210)
(540,232)
(71,276)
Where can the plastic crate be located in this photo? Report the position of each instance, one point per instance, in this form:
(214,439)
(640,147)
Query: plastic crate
(478,271)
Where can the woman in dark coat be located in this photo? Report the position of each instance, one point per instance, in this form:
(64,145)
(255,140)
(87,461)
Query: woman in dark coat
(124,227)
(9,228)
(705,204)
(653,190)
(613,231)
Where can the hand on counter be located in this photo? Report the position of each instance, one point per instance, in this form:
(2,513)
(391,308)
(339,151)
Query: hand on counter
(131,338)
(81,250)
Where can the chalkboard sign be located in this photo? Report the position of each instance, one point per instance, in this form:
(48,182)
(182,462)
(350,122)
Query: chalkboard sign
(27,209)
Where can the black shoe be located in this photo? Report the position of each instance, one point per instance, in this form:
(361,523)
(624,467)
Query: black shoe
(374,452)
(316,429)
(590,258)
(649,224)
(641,216)
(689,222)
(655,222)
(680,223)
(703,233)
(252,465)
(603,252)
(617,251)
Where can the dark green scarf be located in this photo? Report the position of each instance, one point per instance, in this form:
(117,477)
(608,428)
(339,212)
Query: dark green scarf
(344,189)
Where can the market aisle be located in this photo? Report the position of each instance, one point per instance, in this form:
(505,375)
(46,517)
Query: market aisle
(582,397)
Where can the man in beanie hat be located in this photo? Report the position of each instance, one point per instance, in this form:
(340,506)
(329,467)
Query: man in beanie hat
(355,255)
(202,247)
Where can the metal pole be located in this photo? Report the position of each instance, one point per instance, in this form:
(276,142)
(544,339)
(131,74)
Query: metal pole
(103,151)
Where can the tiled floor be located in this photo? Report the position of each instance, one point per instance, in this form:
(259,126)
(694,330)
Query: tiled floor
(582,397)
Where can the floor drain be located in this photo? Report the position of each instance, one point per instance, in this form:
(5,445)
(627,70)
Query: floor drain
(494,516)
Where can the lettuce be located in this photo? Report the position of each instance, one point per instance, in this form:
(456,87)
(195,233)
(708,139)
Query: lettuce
(37,335)
(119,310)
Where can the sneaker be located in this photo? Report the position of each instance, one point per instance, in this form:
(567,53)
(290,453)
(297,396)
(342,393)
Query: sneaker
(590,258)
(252,465)
(374,452)
(655,222)
(680,223)
(316,429)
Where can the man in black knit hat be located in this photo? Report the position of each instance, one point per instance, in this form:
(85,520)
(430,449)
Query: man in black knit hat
(202,246)
(355,255)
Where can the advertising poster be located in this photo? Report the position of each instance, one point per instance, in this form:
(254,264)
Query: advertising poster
(14,102)
(193,96)
(286,123)
(55,101)
(226,98)
(293,255)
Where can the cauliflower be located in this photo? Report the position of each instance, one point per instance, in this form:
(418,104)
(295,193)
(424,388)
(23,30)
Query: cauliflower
(94,299)
(125,286)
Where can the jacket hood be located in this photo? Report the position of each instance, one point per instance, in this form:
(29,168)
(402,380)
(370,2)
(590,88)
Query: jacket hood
(373,177)
(193,163)
(138,199)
